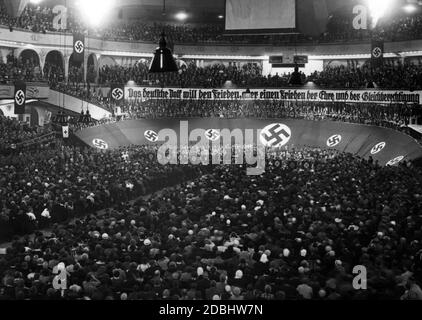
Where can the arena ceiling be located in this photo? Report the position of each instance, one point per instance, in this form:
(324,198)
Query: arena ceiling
(198,10)
(312,15)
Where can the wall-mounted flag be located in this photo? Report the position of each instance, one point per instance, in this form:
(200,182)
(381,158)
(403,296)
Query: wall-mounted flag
(78,47)
(65,130)
(377,53)
(117,93)
(20,97)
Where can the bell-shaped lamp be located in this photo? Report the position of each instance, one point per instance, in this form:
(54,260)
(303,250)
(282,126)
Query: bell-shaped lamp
(87,118)
(163,60)
(61,118)
(81,118)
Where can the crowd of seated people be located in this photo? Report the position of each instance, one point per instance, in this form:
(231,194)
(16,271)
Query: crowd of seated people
(33,18)
(390,76)
(407,76)
(19,69)
(395,116)
(399,28)
(85,92)
(38,18)
(294,232)
(190,75)
(67,180)
(53,74)
(14,132)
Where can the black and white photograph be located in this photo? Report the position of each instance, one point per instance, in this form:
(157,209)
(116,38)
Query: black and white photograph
(201,158)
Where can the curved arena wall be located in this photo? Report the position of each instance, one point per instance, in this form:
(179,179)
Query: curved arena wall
(357,139)
(44,43)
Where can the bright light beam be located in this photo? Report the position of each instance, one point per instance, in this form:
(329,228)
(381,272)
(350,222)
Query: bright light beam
(378,9)
(181,16)
(410,8)
(95,11)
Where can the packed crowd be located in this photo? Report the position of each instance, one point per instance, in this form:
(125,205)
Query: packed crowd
(13,132)
(406,76)
(190,75)
(19,69)
(398,76)
(399,28)
(66,180)
(390,76)
(295,232)
(393,116)
(339,28)
(85,92)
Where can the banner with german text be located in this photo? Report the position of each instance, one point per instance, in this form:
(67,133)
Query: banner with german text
(297,95)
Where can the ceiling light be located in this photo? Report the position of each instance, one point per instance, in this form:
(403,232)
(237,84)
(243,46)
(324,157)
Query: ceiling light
(181,16)
(410,8)
(95,12)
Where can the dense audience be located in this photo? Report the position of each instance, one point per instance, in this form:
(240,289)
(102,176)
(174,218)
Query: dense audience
(222,236)
(60,177)
(394,75)
(13,133)
(19,69)
(402,27)
(189,75)
(393,116)
(85,92)
(124,227)
(339,28)
(390,76)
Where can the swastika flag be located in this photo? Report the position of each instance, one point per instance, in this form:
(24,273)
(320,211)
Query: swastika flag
(117,93)
(20,97)
(377,53)
(78,47)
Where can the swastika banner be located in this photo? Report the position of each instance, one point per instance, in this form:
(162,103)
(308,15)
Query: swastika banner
(117,93)
(377,53)
(20,97)
(78,47)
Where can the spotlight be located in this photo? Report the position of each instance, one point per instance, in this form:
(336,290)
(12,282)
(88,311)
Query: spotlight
(229,85)
(310,84)
(410,8)
(220,16)
(35,1)
(95,11)
(378,8)
(181,16)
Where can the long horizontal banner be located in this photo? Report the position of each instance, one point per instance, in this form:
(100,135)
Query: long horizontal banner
(351,96)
